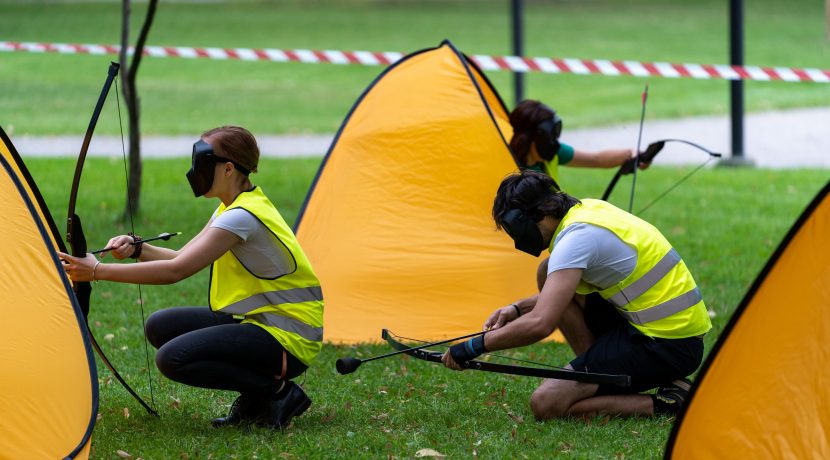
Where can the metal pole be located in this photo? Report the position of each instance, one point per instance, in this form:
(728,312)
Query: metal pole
(736,57)
(517,16)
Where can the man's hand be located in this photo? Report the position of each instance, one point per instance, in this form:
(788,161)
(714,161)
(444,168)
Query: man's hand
(450,363)
(460,353)
(501,317)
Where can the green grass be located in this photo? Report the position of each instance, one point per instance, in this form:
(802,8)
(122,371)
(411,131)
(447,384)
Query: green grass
(45,94)
(725,223)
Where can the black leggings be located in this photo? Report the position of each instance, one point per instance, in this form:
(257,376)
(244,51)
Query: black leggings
(201,348)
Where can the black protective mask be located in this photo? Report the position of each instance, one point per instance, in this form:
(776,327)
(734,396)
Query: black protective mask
(526,235)
(202,168)
(547,137)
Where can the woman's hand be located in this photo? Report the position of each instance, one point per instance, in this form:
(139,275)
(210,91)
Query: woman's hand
(122,246)
(501,317)
(79,268)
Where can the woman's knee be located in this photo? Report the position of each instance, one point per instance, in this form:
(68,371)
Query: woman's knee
(153,327)
(169,361)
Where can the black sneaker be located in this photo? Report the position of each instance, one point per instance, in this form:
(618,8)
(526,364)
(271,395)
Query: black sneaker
(291,402)
(245,409)
(670,399)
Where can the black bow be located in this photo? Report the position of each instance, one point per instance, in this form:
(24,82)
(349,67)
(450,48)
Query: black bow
(549,372)
(651,152)
(77,241)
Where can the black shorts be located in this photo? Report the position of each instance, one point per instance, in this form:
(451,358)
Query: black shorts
(621,349)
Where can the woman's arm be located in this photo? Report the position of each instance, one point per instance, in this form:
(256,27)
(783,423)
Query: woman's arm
(210,244)
(603,159)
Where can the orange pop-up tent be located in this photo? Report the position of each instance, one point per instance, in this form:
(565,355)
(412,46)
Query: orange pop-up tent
(397,223)
(48,379)
(764,391)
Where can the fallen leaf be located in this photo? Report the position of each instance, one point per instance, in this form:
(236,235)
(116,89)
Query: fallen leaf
(565,447)
(109,337)
(123,454)
(126,413)
(331,415)
(176,402)
(99,417)
(429,453)
(286,455)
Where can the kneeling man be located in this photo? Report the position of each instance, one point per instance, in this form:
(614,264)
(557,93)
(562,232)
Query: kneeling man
(621,295)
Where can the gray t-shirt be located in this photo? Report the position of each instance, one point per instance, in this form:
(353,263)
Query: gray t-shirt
(606,258)
(260,251)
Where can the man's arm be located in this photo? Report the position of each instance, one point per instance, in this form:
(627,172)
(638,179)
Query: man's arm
(556,295)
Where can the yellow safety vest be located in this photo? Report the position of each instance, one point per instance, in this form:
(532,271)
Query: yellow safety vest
(551,168)
(289,307)
(660,297)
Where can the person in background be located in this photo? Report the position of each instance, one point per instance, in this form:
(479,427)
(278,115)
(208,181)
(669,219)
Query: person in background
(535,144)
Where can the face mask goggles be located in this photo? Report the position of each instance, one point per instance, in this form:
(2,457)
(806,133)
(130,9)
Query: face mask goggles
(547,137)
(203,165)
(526,235)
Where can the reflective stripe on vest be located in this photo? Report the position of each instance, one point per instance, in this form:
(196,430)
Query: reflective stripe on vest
(295,295)
(315,334)
(665,309)
(649,279)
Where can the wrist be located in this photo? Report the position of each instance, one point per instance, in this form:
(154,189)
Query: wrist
(95,267)
(138,243)
(518,310)
(468,350)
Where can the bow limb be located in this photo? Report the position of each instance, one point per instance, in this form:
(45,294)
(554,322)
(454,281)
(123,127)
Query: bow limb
(551,373)
(77,240)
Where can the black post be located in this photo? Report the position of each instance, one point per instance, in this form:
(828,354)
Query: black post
(517,16)
(736,57)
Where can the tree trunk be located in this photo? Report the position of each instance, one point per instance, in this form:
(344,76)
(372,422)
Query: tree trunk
(133,102)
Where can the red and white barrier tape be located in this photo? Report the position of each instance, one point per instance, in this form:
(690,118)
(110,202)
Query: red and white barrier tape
(512,63)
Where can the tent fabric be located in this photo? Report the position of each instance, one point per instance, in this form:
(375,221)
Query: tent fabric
(398,222)
(48,381)
(763,392)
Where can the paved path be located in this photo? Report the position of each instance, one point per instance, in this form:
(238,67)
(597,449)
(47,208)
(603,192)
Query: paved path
(783,139)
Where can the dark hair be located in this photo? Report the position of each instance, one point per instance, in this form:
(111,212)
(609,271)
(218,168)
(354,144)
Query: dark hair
(534,194)
(524,119)
(234,143)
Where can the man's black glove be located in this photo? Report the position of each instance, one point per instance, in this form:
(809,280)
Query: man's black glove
(469,350)
(645,157)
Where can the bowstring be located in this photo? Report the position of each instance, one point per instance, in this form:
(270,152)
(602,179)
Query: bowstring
(132,229)
(535,363)
(676,184)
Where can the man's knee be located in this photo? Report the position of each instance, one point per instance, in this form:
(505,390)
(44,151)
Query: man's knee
(548,403)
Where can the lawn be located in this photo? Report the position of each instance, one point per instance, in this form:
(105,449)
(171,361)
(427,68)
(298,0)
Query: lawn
(44,94)
(725,222)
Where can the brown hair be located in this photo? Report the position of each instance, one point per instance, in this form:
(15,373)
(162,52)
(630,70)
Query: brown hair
(234,143)
(525,118)
(534,193)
